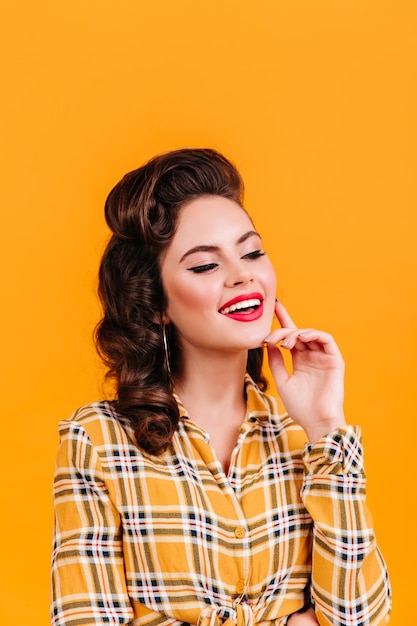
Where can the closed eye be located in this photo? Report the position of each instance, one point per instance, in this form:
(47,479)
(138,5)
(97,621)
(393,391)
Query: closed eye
(200,269)
(254,255)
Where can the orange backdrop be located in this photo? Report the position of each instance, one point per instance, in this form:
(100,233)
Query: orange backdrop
(316,103)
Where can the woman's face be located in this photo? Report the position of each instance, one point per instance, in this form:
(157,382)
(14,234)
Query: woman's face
(219,284)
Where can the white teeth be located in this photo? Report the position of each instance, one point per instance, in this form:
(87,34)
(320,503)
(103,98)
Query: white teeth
(243,304)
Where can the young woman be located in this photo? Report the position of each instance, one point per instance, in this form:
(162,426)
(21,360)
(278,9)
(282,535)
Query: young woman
(187,499)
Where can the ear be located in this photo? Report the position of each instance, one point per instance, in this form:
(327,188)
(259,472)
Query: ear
(158,318)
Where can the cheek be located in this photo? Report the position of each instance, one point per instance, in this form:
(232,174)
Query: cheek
(187,299)
(270,279)
(271,284)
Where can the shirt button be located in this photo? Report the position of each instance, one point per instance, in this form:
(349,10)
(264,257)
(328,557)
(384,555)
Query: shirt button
(239,532)
(240,588)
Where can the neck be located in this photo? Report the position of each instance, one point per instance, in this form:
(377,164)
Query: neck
(211,384)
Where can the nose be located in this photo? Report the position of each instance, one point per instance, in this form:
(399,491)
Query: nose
(238,275)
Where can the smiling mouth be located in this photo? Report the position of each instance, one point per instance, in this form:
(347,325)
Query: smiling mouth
(244,306)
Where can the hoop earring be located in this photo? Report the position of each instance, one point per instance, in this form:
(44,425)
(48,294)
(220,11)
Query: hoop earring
(166,348)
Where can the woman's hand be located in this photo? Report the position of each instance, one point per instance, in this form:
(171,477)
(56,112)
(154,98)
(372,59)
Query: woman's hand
(313,393)
(307,618)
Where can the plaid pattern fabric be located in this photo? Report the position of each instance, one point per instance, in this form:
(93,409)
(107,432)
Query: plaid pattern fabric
(158,541)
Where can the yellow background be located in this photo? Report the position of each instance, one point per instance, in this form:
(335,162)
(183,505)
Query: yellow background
(316,103)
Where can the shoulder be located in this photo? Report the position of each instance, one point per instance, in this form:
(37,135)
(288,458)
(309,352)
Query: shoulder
(99,423)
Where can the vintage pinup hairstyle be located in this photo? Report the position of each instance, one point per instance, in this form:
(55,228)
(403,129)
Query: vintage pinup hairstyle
(142,212)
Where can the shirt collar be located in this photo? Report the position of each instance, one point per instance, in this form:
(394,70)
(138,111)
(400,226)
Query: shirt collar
(259,405)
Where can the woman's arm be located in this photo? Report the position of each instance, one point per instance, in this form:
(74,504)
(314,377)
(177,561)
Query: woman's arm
(349,582)
(349,579)
(88,583)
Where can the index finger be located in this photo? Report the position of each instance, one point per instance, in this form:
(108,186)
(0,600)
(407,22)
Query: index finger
(283,316)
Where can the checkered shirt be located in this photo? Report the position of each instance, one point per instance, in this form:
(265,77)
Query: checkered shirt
(172,540)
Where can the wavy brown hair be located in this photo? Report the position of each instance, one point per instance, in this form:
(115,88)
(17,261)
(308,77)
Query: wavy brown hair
(142,211)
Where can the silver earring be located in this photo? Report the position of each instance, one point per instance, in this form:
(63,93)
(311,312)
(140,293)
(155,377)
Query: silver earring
(166,348)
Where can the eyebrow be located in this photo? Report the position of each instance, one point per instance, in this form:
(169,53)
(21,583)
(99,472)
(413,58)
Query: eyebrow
(243,238)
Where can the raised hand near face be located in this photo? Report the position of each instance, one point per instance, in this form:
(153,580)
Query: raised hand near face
(313,392)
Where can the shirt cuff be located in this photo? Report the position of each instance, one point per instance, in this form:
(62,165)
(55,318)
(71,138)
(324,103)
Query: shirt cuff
(339,452)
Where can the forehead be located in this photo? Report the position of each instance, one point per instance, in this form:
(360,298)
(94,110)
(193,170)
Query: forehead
(211,220)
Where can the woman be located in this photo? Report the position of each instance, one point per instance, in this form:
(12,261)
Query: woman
(187,499)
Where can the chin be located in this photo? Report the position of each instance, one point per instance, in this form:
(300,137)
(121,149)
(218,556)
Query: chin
(256,342)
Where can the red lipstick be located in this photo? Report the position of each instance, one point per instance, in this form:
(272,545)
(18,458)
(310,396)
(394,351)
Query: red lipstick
(250,313)
(241,298)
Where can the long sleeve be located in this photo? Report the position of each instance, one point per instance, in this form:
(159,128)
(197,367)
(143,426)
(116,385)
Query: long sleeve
(88,583)
(349,583)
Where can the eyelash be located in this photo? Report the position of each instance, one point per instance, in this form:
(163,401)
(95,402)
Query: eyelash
(200,269)
(254,255)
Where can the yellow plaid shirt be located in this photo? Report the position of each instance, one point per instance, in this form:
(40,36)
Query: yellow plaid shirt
(172,540)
